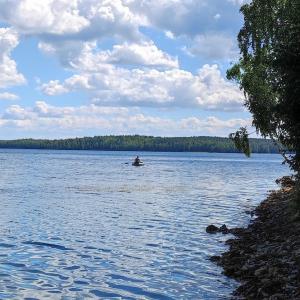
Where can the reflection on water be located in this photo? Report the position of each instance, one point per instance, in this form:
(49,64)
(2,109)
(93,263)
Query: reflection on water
(86,225)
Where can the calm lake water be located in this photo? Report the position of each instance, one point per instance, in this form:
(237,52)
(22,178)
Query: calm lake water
(86,225)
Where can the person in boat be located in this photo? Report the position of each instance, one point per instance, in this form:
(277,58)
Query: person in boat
(137,160)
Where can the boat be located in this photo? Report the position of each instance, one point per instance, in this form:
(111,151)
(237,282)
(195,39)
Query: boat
(138,164)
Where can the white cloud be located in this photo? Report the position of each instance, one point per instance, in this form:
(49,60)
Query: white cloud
(53,87)
(66,50)
(213,46)
(71,19)
(44,118)
(93,19)
(239,2)
(47,16)
(212,124)
(8,96)
(188,17)
(68,28)
(144,53)
(45,110)
(110,85)
(169,34)
(9,75)
(132,71)
(16,112)
(63,26)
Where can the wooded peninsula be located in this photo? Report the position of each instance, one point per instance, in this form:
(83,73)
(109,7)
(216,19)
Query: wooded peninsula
(142,143)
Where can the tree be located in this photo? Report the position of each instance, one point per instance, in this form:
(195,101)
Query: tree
(268,72)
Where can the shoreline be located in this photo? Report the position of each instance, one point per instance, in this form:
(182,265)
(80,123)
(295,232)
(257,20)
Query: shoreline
(137,150)
(264,257)
(142,143)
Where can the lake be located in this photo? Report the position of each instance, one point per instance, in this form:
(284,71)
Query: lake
(89,225)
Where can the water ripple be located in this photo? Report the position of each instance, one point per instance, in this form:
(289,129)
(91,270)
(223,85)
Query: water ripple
(82,225)
(42,244)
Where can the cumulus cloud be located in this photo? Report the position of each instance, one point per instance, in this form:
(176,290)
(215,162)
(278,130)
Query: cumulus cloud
(34,16)
(9,74)
(70,19)
(45,110)
(110,85)
(212,124)
(214,46)
(239,2)
(8,96)
(65,25)
(169,34)
(144,53)
(106,45)
(210,26)
(74,120)
(90,19)
(54,87)
(16,112)
(188,17)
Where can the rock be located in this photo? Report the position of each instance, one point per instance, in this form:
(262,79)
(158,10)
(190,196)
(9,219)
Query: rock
(230,271)
(286,181)
(224,229)
(212,229)
(266,281)
(277,297)
(265,256)
(259,272)
(236,231)
(215,258)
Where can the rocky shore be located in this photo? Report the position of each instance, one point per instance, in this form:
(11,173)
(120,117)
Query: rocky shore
(265,256)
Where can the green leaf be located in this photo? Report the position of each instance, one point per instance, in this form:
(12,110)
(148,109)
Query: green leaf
(241,140)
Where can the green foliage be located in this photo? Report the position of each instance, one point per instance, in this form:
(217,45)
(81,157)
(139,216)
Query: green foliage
(142,143)
(269,70)
(241,141)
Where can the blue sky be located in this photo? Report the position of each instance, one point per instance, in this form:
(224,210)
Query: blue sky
(82,68)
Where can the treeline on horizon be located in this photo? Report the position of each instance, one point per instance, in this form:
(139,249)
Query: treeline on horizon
(141,143)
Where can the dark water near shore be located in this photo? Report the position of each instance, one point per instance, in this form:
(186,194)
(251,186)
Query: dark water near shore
(85,225)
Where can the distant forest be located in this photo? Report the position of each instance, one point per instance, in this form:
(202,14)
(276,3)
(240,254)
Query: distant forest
(141,143)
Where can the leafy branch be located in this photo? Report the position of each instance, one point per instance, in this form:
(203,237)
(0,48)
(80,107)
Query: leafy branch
(241,140)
